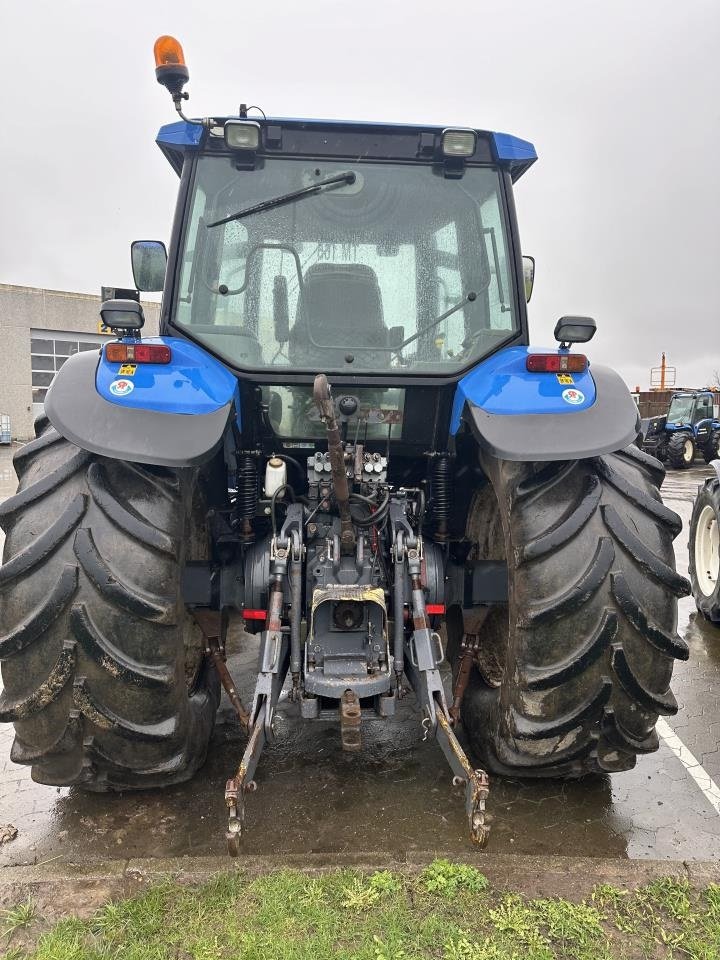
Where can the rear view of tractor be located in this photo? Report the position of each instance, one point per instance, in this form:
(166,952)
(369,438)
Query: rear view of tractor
(341,435)
(691,426)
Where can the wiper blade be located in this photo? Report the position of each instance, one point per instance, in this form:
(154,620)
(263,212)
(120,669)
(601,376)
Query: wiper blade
(347,177)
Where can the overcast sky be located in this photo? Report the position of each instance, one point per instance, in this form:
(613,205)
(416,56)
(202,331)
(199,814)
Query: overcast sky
(621,98)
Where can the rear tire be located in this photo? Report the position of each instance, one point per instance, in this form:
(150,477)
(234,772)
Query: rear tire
(681,450)
(703,547)
(588,639)
(104,673)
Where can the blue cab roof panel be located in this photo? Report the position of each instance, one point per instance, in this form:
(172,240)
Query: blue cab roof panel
(354,138)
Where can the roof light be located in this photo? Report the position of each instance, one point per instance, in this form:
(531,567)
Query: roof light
(556,362)
(242,135)
(137,353)
(458,143)
(170,68)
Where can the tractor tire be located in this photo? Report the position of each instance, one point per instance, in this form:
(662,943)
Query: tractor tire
(704,550)
(584,650)
(681,450)
(710,450)
(104,672)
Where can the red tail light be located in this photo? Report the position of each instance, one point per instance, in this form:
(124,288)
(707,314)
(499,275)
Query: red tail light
(433,609)
(556,362)
(254,614)
(137,353)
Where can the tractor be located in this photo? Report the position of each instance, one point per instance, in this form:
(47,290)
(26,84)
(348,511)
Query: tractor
(343,436)
(691,425)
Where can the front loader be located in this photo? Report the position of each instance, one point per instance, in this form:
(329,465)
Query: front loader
(343,436)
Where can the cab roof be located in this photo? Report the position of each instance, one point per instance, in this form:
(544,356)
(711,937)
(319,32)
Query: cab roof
(343,139)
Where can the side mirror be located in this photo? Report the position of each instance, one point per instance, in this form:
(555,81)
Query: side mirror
(281,309)
(575,329)
(122,315)
(395,338)
(528,276)
(149,261)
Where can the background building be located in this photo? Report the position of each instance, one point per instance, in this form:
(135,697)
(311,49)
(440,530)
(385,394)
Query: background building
(39,330)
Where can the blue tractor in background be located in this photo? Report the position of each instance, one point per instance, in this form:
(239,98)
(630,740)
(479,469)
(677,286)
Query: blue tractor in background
(343,436)
(690,426)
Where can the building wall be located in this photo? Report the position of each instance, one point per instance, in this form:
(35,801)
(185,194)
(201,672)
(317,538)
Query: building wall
(23,309)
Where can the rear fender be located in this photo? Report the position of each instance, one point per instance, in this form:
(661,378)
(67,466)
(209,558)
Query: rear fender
(173,414)
(523,416)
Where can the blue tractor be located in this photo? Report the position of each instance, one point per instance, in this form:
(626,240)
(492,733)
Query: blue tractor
(690,426)
(342,435)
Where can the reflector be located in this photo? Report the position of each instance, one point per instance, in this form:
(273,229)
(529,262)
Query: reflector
(254,614)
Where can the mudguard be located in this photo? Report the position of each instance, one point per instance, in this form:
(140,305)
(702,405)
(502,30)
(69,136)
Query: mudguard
(173,414)
(518,415)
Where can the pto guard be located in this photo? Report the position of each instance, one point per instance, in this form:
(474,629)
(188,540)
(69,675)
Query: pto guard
(523,416)
(171,414)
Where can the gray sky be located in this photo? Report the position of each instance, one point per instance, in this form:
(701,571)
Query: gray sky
(622,100)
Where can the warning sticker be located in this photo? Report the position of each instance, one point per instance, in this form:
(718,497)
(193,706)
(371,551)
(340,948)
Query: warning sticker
(128,370)
(121,388)
(563,378)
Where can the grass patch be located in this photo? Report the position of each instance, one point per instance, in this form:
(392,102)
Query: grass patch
(447,912)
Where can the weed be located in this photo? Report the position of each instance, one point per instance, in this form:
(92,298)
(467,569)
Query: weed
(447,878)
(19,917)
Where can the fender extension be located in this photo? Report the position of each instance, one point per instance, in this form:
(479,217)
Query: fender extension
(78,412)
(610,423)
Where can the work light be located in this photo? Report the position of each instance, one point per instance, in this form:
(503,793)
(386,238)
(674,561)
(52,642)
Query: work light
(458,143)
(242,135)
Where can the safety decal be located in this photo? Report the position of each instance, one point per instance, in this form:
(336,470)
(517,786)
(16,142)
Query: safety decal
(573,396)
(128,370)
(121,388)
(563,378)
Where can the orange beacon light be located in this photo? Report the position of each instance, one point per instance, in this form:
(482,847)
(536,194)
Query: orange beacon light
(170,68)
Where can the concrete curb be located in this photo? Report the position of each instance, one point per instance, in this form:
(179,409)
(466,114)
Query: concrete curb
(63,888)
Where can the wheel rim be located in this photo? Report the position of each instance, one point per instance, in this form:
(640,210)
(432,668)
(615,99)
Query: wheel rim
(707,555)
(688,450)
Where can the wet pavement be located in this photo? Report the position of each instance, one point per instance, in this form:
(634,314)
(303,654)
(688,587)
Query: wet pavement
(396,796)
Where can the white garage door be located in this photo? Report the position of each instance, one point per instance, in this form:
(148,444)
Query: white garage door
(49,349)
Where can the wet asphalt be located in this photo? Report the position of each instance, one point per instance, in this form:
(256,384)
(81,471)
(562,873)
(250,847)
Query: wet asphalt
(396,796)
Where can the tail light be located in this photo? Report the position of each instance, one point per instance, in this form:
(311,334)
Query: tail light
(556,362)
(137,353)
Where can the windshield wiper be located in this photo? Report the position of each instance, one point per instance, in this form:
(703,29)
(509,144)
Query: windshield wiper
(347,177)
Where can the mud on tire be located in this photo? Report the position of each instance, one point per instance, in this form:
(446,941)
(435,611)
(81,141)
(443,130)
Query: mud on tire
(588,640)
(103,670)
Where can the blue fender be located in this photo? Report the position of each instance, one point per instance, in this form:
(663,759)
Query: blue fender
(172,414)
(518,415)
